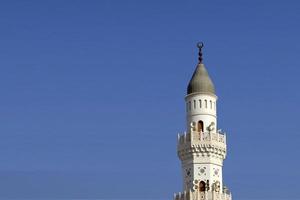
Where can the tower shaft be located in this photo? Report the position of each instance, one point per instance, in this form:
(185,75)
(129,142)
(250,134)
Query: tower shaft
(202,148)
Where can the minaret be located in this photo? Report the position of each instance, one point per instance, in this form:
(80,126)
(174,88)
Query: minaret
(202,148)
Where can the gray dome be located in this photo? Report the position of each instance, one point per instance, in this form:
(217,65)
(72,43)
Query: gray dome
(201,81)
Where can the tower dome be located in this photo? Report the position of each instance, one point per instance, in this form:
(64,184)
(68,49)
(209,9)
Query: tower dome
(200,81)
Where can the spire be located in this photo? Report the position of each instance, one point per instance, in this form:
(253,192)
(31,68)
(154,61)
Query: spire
(200,81)
(200,46)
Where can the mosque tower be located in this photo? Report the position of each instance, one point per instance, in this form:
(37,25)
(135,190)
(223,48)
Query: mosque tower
(202,148)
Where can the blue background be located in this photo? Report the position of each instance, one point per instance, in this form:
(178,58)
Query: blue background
(92,95)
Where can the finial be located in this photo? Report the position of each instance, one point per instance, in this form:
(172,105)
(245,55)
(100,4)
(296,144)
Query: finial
(200,46)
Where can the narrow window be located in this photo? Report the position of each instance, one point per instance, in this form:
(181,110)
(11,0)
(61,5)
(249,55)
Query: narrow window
(200,126)
(210,102)
(205,103)
(202,186)
(200,103)
(194,104)
(189,105)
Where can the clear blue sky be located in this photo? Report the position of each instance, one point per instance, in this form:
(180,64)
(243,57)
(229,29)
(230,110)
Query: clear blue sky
(92,95)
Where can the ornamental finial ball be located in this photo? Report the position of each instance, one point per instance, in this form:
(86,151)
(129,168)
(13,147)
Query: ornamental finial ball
(200,45)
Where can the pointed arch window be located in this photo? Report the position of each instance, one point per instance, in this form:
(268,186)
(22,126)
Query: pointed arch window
(202,186)
(200,126)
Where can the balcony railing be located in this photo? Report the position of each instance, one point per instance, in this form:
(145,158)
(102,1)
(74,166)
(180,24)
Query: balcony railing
(197,195)
(195,136)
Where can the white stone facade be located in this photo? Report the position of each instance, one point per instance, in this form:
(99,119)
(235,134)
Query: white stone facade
(202,150)
(200,106)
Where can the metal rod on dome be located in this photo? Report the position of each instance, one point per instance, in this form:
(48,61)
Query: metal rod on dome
(200,46)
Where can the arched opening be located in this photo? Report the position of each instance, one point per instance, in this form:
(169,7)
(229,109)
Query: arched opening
(202,186)
(200,126)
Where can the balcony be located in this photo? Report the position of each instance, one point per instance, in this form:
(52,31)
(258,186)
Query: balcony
(195,137)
